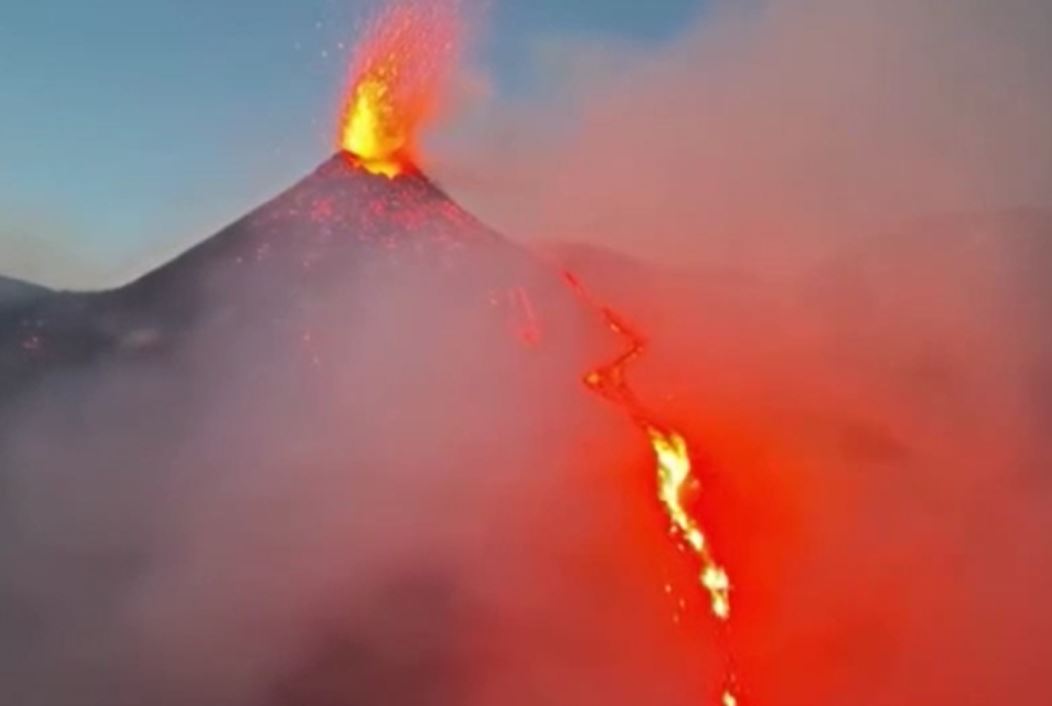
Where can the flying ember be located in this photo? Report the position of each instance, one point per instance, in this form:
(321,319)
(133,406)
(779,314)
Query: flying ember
(397,77)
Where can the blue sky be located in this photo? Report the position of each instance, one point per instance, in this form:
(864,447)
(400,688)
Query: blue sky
(131,127)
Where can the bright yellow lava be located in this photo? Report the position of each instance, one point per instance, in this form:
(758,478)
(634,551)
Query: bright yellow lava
(399,73)
(372,131)
(675,471)
(675,474)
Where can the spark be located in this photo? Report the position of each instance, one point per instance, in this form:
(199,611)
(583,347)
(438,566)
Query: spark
(397,77)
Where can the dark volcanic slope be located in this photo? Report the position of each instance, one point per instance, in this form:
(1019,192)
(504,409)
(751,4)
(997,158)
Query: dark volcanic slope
(358,352)
(308,238)
(16,293)
(16,297)
(319,228)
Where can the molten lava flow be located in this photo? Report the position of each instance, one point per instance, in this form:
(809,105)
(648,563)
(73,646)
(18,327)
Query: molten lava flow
(674,476)
(674,468)
(675,473)
(398,74)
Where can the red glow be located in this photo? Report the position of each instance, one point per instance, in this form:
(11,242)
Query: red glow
(397,79)
(675,473)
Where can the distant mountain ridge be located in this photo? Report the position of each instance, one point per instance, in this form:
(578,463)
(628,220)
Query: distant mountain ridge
(14,292)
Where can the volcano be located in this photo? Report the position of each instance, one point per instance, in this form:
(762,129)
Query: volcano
(333,225)
(357,331)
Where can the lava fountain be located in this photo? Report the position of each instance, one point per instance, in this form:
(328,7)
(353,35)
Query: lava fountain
(397,75)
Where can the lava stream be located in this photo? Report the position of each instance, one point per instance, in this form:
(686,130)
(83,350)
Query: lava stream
(675,473)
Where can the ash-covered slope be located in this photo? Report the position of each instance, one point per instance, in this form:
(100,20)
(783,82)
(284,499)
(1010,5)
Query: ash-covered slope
(17,296)
(15,293)
(216,481)
(319,229)
(314,236)
(17,300)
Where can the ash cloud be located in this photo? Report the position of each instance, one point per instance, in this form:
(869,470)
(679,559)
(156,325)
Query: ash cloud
(846,206)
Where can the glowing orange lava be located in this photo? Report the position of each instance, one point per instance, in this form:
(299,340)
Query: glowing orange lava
(397,77)
(675,472)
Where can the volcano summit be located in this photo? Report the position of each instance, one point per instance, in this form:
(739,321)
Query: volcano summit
(321,232)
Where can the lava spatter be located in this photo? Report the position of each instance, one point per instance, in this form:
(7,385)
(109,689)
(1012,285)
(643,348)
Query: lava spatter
(397,78)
